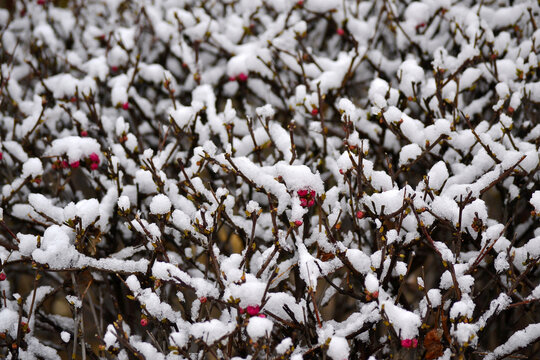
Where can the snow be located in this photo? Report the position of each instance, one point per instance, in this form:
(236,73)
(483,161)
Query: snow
(338,348)
(405,323)
(259,327)
(151,301)
(123,203)
(535,201)
(74,147)
(8,321)
(32,168)
(194,125)
(438,175)
(518,340)
(87,210)
(371,283)
(284,345)
(359,260)
(182,115)
(410,74)
(409,153)
(65,336)
(160,205)
(211,331)
(56,249)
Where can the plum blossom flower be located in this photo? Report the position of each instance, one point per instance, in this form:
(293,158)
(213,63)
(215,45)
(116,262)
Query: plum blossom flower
(253,310)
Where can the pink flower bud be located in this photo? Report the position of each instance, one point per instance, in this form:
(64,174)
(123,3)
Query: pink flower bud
(65,164)
(1,155)
(232,78)
(262,315)
(302,192)
(125,105)
(241,310)
(242,77)
(253,310)
(144,322)
(114,68)
(3,276)
(406,343)
(84,133)
(94,166)
(311,203)
(298,222)
(312,193)
(94,158)
(340,32)
(314,111)
(360,214)
(75,164)
(303,202)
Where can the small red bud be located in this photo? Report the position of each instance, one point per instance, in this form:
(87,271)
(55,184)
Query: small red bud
(315,111)
(125,105)
(41,2)
(341,171)
(37,180)
(298,222)
(510,109)
(360,214)
(84,133)
(73,99)
(340,32)
(114,68)
(94,166)
(302,192)
(232,78)
(3,276)
(144,321)
(65,164)
(253,310)
(75,164)
(242,77)
(94,158)
(1,155)
(203,299)
(300,3)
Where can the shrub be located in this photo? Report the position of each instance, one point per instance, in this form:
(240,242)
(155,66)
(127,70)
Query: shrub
(269,179)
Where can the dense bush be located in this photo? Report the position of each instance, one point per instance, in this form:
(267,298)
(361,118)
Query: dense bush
(269,179)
